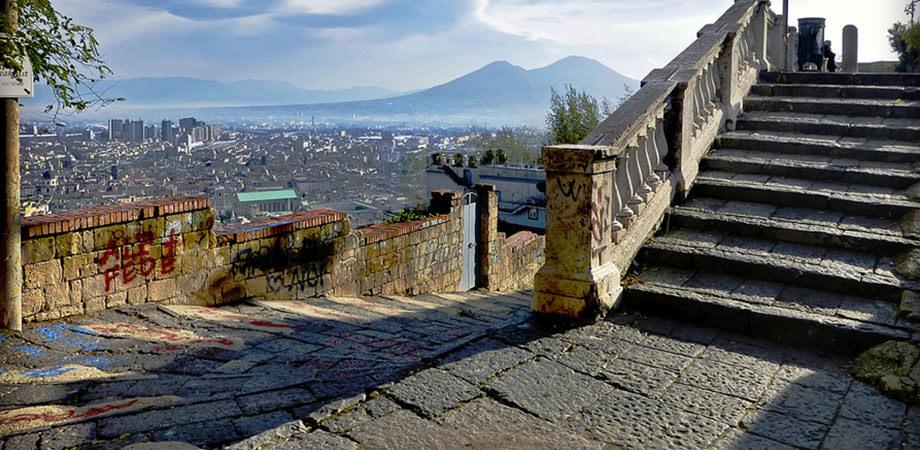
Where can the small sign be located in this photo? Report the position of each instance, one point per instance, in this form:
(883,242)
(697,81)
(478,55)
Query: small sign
(17,87)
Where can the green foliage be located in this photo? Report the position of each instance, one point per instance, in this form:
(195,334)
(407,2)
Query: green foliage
(64,55)
(458,160)
(412,214)
(436,158)
(519,145)
(905,41)
(488,157)
(501,157)
(572,115)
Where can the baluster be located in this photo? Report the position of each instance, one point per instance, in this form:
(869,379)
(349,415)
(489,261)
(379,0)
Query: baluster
(713,87)
(661,145)
(635,178)
(617,202)
(697,109)
(624,189)
(707,93)
(645,166)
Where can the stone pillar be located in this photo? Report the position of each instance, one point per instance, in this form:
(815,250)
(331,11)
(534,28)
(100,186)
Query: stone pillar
(792,56)
(10,239)
(487,236)
(579,280)
(850,49)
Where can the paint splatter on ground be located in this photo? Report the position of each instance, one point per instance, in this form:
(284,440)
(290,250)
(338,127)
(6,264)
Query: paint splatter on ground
(238,369)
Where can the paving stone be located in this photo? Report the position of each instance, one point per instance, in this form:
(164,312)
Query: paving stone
(366,412)
(274,436)
(723,408)
(748,209)
(587,360)
(695,333)
(837,382)
(22,442)
(634,421)
(316,439)
(758,291)
(726,379)
(864,403)
(548,347)
(486,423)
(785,429)
(413,432)
(652,325)
(656,358)
(866,310)
(481,361)
(856,434)
(69,436)
(814,405)
(799,251)
(204,434)
(275,400)
(432,392)
(253,425)
(154,420)
(639,378)
(548,389)
(739,440)
(713,284)
(38,394)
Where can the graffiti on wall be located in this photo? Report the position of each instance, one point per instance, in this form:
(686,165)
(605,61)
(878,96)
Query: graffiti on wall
(125,260)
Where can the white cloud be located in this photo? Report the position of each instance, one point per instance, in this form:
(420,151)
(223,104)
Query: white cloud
(324,6)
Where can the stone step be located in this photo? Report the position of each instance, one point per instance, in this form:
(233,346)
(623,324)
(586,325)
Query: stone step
(851,79)
(795,225)
(844,107)
(815,267)
(768,310)
(821,145)
(837,91)
(893,175)
(906,130)
(781,191)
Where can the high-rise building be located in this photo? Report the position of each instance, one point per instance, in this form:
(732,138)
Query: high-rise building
(188,124)
(135,131)
(116,129)
(150,132)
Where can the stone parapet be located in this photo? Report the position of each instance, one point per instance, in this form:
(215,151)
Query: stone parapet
(169,251)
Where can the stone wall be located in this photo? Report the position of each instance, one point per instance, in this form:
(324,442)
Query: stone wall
(168,251)
(505,264)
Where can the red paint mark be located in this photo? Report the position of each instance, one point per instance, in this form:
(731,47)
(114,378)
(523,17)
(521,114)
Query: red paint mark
(266,324)
(54,417)
(168,262)
(126,260)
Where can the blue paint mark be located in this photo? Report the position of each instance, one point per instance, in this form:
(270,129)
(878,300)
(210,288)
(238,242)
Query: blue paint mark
(79,329)
(50,372)
(51,333)
(31,351)
(2,338)
(92,361)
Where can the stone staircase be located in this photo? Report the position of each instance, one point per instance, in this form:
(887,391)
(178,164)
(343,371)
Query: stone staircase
(796,225)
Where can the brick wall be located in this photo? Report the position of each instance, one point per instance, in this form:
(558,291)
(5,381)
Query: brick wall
(168,251)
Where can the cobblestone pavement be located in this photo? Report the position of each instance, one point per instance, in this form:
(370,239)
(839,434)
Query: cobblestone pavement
(213,376)
(626,382)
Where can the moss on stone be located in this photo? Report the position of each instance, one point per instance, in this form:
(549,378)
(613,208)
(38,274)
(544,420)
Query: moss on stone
(910,306)
(908,264)
(893,367)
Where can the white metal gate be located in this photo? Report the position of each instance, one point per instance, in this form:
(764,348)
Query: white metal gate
(468,279)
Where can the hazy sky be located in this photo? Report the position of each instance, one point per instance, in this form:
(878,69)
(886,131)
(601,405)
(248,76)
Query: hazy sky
(411,44)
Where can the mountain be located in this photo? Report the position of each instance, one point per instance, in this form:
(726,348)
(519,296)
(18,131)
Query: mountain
(497,94)
(194,92)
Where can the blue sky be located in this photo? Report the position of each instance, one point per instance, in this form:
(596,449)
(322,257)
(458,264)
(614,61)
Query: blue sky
(412,44)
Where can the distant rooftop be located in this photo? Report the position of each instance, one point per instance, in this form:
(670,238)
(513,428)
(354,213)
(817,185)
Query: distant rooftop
(265,196)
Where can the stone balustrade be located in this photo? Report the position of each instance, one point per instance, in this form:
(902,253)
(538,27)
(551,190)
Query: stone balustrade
(607,195)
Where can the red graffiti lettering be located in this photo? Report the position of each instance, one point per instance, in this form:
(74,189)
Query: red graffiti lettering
(168,262)
(128,261)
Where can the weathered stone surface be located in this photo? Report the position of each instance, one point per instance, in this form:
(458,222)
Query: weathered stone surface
(785,429)
(548,389)
(909,307)
(432,392)
(848,433)
(908,264)
(479,362)
(891,367)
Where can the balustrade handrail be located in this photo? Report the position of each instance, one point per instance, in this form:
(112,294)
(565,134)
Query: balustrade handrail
(607,194)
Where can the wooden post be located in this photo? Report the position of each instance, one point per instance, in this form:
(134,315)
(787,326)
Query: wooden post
(10,240)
